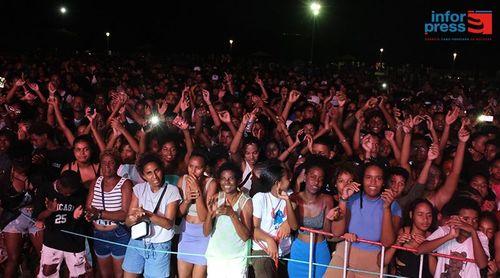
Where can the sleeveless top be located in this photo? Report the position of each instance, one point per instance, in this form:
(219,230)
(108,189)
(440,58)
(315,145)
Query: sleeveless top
(224,241)
(315,222)
(248,181)
(192,207)
(112,199)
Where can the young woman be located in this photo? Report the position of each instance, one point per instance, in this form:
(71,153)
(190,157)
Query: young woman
(488,224)
(84,151)
(312,209)
(250,149)
(157,202)
(107,206)
(422,221)
(370,214)
(16,195)
(273,218)
(196,188)
(229,224)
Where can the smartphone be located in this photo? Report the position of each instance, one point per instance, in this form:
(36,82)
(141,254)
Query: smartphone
(2,82)
(302,136)
(92,109)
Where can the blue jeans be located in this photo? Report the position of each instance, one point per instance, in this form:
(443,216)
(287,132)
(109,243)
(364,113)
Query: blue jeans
(104,249)
(149,262)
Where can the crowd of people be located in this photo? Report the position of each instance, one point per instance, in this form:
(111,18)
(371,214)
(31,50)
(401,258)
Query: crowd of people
(190,166)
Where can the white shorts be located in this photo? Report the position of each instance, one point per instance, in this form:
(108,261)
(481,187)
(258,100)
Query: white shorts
(74,261)
(22,224)
(232,268)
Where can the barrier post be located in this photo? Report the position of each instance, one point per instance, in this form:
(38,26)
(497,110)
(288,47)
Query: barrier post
(311,241)
(421,266)
(382,258)
(346,251)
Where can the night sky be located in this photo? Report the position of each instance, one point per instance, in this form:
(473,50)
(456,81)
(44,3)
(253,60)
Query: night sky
(280,28)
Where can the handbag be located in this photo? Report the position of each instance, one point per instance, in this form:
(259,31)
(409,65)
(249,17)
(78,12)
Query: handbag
(142,229)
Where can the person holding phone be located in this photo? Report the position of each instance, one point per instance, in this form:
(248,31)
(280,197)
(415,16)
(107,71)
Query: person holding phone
(152,210)
(106,207)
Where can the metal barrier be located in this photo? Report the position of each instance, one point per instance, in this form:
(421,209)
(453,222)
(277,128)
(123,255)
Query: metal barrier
(382,254)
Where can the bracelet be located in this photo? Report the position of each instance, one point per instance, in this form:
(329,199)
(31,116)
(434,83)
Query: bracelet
(343,200)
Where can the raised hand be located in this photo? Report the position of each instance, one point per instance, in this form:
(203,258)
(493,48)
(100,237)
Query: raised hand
(162,108)
(388,196)
(433,152)
(33,86)
(226,209)
(294,96)
(259,81)
(206,96)
(349,190)
(389,135)
(184,102)
(366,143)
(452,116)
(429,122)
(78,212)
(180,122)
(463,133)
(225,117)
(19,82)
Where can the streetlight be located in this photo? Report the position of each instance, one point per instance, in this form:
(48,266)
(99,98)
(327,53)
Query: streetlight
(107,42)
(63,10)
(454,56)
(315,7)
(231,45)
(453,64)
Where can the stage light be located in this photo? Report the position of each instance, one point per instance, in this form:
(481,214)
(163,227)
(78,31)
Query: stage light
(315,7)
(63,10)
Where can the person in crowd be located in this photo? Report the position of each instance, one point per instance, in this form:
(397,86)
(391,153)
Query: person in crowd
(418,225)
(155,202)
(196,189)
(460,238)
(313,208)
(59,211)
(229,225)
(488,225)
(84,165)
(107,207)
(17,192)
(273,218)
(248,111)
(369,212)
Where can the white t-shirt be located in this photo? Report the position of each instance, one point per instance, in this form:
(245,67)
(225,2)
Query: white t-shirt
(148,200)
(453,247)
(263,206)
(129,171)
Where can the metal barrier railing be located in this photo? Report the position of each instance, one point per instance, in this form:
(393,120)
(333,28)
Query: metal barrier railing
(382,254)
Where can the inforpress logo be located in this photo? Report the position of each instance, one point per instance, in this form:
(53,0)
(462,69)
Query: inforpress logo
(459,26)
(480,22)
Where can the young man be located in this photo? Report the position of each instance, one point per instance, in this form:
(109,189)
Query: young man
(460,238)
(59,207)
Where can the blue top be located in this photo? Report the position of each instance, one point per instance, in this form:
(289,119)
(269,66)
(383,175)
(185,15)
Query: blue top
(366,222)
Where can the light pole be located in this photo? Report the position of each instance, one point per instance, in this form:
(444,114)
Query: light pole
(231,45)
(107,43)
(381,53)
(315,7)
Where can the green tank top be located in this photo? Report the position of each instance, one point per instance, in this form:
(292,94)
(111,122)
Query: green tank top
(224,242)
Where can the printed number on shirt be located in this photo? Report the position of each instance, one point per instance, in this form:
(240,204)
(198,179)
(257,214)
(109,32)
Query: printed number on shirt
(60,219)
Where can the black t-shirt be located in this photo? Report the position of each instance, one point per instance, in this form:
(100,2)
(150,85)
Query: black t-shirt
(472,167)
(62,219)
(56,160)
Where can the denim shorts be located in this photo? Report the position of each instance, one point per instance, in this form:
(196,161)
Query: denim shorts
(104,249)
(150,262)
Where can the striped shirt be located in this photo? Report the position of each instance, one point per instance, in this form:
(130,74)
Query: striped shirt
(112,199)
